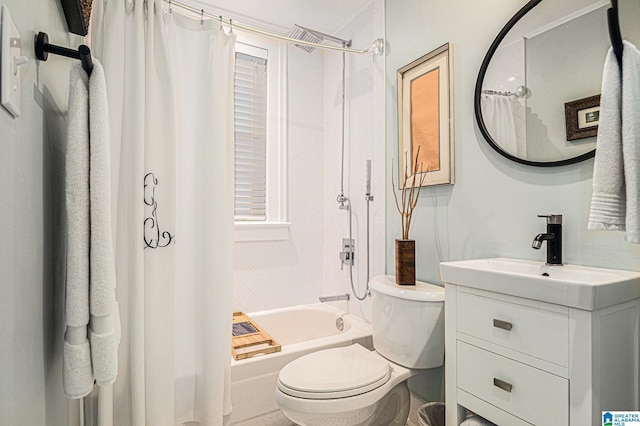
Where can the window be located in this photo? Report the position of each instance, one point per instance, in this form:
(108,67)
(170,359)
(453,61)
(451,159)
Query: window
(260,122)
(250,122)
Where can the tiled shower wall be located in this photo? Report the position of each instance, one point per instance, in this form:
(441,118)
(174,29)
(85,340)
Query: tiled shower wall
(274,274)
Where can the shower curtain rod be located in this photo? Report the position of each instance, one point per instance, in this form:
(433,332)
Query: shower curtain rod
(375,48)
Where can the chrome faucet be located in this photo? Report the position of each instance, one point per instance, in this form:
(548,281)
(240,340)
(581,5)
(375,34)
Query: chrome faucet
(553,237)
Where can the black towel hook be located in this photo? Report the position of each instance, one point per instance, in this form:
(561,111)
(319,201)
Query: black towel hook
(614,31)
(43,48)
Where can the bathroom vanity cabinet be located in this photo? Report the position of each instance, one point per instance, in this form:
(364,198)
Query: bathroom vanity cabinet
(519,361)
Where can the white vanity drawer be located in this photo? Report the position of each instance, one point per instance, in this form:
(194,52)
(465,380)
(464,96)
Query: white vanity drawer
(531,394)
(531,330)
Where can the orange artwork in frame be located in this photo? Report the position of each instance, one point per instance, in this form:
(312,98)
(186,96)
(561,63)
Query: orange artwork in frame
(425,119)
(425,116)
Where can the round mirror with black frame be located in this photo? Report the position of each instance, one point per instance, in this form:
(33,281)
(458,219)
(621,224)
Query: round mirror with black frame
(537,93)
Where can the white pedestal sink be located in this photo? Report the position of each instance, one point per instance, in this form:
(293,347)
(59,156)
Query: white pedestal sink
(528,343)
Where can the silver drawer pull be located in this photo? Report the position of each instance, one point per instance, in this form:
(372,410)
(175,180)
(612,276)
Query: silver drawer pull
(502,324)
(502,385)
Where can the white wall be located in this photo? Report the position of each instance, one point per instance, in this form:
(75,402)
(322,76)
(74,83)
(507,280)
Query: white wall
(491,209)
(283,273)
(31,247)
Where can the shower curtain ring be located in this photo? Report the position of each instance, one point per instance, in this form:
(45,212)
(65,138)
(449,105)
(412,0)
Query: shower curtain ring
(170,10)
(230,25)
(201,16)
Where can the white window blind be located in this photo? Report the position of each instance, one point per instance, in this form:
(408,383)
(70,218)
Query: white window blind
(250,118)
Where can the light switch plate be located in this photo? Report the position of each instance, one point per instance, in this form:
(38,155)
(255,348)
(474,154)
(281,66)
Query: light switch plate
(10,48)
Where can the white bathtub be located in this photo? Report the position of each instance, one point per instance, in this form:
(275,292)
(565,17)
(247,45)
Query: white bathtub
(300,330)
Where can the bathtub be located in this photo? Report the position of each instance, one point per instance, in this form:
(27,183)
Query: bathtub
(300,330)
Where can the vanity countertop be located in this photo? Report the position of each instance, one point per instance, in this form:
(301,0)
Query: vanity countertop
(575,286)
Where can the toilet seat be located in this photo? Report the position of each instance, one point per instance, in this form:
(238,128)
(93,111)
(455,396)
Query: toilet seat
(334,373)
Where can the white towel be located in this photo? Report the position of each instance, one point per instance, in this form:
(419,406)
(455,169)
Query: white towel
(90,262)
(615,204)
(76,370)
(631,138)
(104,343)
(608,206)
(77,377)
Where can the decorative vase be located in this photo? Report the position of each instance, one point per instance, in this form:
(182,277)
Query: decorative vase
(406,262)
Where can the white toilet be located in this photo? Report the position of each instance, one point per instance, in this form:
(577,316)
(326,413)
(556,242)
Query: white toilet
(352,386)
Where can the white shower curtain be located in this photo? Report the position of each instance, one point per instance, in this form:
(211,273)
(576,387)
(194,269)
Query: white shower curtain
(497,111)
(170,84)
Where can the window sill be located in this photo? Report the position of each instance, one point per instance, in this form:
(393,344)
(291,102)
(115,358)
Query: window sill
(261,231)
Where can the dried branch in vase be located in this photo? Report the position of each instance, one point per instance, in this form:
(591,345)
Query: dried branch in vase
(86,12)
(410,194)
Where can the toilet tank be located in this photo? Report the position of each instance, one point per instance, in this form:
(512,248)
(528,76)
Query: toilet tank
(408,322)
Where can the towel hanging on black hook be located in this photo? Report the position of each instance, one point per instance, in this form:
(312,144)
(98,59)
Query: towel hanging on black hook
(614,31)
(43,48)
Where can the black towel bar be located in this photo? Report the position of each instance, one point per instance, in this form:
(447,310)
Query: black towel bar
(43,48)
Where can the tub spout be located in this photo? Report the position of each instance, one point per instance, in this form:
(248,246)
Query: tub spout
(334,298)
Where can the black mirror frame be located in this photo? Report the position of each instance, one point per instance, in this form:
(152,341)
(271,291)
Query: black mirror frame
(478,92)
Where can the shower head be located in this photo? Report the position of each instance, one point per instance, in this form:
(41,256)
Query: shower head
(301,34)
(305,34)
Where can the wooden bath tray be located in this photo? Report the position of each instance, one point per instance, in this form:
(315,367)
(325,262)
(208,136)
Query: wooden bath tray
(248,339)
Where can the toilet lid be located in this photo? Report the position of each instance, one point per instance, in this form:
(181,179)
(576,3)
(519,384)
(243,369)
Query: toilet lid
(334,373)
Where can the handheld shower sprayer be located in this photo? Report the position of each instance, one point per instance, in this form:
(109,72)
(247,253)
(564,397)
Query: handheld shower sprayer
(368,178)
(367,194)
